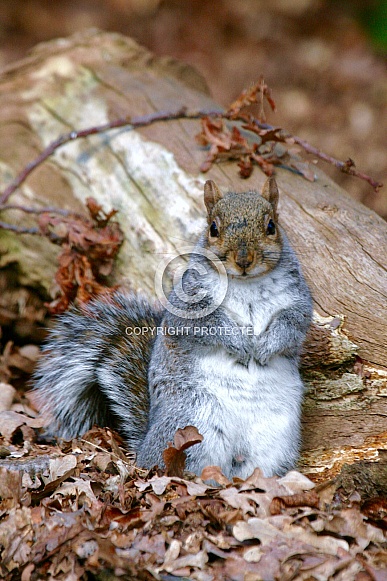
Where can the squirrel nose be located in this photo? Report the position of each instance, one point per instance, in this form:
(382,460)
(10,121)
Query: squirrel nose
(244,258)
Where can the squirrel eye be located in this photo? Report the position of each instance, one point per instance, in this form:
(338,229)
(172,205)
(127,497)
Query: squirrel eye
(214,232)
(270,230)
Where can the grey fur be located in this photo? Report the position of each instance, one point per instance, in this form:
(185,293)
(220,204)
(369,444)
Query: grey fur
(91,370)
(242,392)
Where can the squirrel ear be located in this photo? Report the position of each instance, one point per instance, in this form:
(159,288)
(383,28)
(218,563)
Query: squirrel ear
(270,192)
(212,195)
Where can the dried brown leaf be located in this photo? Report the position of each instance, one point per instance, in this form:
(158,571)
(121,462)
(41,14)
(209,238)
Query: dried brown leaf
(9,421)
(7,393)
(245,501)
(263,163)
(62,464)
(257,528)
(27,572)
(174,461)
(89,248)
(214,132)
(214,473)
(174,456)
(296,482)
(76,488)
(279,503)
(254,95)
(10,484)
(187,437)
(245,167)
(128,520)
(375,508)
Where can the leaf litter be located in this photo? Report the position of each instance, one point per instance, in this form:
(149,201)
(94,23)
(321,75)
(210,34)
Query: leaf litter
(89,246)
(83,508)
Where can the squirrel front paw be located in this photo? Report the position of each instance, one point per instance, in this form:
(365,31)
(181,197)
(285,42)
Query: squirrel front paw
(262,352)
(244,360)
(240,351)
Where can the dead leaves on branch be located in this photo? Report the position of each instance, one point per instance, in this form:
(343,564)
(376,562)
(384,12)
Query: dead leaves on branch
(85,510)
(234,135)
(238,135)
(248,146)
(89,247)
(256,94)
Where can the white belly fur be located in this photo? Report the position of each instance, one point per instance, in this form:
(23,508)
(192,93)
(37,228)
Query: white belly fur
(255,303)
(259,407)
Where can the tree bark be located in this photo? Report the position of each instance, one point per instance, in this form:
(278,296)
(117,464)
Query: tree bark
(151,176)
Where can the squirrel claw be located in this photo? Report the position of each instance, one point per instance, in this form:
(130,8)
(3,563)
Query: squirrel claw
(261,357)
(244,361)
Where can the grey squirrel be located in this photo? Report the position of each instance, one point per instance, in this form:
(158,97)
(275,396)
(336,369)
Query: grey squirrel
(230,370)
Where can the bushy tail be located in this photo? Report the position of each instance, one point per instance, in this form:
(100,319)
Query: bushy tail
(94,368)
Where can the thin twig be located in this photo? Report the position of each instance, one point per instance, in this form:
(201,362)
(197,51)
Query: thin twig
(43,210)
(33,231)
(145,120)
(141,121)
(347,167)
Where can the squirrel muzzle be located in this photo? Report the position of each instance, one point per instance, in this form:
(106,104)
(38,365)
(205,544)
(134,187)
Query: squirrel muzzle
(244,258)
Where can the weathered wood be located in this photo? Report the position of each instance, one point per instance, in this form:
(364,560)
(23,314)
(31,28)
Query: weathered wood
(151,176)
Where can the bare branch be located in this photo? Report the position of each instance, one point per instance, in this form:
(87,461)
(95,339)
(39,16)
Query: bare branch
(43,210)
(145,120)
(347,167)
(33,231)
(141,121)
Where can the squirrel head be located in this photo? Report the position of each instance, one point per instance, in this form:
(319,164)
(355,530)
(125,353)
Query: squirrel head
(243,230)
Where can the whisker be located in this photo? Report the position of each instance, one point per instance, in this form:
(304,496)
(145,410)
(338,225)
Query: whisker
(188,241)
